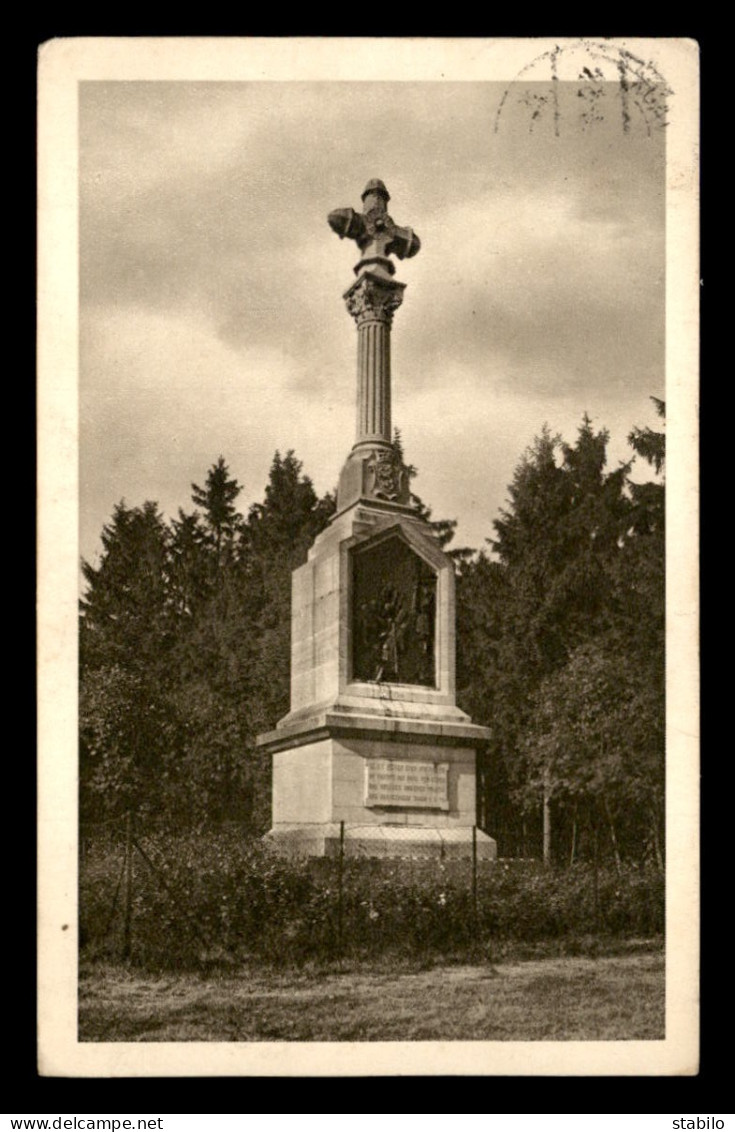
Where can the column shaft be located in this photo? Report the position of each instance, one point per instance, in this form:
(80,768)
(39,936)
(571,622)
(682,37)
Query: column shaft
(373,382)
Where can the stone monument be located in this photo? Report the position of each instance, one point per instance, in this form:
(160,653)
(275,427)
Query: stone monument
(374,738)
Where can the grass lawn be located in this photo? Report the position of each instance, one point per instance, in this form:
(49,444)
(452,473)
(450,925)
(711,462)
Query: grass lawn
(574,999)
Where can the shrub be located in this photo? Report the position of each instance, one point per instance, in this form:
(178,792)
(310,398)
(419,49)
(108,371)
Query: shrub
(214,897)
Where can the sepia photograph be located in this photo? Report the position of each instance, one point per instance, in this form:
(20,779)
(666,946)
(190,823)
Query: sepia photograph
(368,688)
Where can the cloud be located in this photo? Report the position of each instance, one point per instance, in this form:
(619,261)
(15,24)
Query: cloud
(212,317)
(161,398)
(552,291)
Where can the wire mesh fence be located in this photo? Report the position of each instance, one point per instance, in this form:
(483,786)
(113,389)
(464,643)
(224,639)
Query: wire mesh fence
(166,896)
(217,890)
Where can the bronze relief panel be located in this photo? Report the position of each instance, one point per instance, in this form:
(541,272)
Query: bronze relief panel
(393,615)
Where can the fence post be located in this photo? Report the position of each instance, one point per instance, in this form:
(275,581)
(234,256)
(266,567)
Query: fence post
(340,876)
(595,876)
(475,918)
(127,926)
(546,817)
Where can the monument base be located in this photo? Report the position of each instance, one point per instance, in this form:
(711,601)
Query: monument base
(385,841)
(402,787)
(374,738)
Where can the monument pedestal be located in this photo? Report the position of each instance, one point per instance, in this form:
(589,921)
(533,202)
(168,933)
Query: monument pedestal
(393,760)
(397,798)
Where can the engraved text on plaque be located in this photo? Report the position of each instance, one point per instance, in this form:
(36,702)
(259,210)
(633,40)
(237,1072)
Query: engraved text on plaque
(407,784)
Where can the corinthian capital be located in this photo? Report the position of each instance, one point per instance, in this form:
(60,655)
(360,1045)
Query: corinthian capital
(371,299)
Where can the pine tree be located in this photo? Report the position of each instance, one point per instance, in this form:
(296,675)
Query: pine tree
(192,577)
(126,637)
(185,649)
(213,657)
(290,517)
(443,529)
(557,542)
(649,443)
(124,611)
(574,683)
(641,596)
(217,501)
(276,539)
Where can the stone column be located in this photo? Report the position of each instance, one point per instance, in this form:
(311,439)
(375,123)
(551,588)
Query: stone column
(373,469)
(371,301)
(373,381)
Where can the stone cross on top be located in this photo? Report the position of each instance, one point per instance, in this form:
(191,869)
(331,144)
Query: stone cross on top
(374,469)
(373,230)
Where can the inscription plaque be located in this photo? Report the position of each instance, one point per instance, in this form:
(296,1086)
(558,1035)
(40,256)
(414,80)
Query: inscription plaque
(419,785)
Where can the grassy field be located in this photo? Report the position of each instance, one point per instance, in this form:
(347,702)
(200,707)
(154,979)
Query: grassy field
(608,998)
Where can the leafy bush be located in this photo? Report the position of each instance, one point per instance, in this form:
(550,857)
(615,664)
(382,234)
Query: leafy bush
(215,898)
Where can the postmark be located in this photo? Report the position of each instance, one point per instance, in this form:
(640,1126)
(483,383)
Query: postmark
(609,80)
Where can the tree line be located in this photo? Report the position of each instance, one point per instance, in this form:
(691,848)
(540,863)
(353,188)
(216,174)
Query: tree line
(185,651)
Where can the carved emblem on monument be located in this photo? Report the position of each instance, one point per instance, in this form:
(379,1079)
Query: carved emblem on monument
(388,475)
(394,614)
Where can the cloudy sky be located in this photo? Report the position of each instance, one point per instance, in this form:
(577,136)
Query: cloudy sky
(211,311)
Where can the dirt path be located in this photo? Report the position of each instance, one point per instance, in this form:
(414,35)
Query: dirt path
(619,997)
